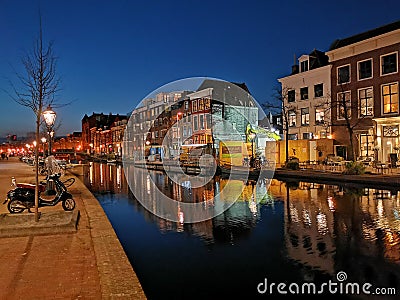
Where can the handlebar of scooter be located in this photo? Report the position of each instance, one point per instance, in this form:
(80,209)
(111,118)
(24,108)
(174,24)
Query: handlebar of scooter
(54,176)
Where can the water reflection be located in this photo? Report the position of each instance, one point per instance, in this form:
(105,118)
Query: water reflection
(322,229)
(330,228)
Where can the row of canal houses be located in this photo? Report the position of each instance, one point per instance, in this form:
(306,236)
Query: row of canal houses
(354,86)
(163,124)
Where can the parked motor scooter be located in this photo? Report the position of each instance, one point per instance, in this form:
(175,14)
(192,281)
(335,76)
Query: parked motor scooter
(51,192)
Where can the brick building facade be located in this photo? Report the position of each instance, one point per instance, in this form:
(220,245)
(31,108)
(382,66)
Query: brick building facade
(365,92)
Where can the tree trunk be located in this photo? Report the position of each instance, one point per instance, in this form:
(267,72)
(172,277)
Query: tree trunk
(37,167)
(352,154)
(287,144)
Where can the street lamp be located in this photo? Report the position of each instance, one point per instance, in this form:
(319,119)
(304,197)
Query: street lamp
(43,139)
(49,117)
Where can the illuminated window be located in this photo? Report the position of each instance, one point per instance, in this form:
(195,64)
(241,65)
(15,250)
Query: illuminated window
(194,105)
(201,104)
(307,136)
(366,102)
(305,116)
(292,118)
(207,103)
(319,116)
(391,131)
(390,95)
(366,144)
(344,105)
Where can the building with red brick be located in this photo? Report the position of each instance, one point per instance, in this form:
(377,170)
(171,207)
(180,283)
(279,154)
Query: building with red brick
(102,133)
(365,93)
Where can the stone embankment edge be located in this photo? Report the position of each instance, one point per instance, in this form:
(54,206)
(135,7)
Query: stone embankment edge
(117,277)
(317,176)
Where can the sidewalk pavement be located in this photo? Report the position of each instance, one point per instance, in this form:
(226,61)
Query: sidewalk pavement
(88,262)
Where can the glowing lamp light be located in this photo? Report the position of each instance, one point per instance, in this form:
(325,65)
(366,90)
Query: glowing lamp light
(49,117)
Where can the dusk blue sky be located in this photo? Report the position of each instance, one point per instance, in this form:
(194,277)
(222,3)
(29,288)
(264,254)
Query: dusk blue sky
(113,53)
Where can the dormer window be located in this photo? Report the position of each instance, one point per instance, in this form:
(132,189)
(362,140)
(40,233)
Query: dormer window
(304,66)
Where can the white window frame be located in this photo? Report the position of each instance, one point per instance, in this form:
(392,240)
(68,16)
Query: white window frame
(338,116)
(195,123)
(397,62)
(322,90)
(359,106)
(305,116)
(307,64)
(337,74)
(290,118)
(308,93)
(358,69)
(319,110)
(382,100)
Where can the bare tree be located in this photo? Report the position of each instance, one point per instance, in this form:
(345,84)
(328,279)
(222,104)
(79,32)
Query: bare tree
(345,109)
(280,104)
(37,89)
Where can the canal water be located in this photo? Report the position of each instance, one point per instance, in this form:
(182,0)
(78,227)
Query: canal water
(293,232)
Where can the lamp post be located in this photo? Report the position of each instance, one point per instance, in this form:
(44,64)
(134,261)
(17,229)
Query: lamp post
(252,137)
(43,139)
(49,117)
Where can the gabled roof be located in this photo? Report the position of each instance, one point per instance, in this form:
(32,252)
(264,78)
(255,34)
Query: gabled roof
(339,43)
(317,59)
(232,93)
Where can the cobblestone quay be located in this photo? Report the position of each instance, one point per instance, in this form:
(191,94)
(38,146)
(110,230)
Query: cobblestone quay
(87,264)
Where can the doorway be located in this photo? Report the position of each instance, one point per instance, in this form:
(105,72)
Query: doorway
(341,151)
